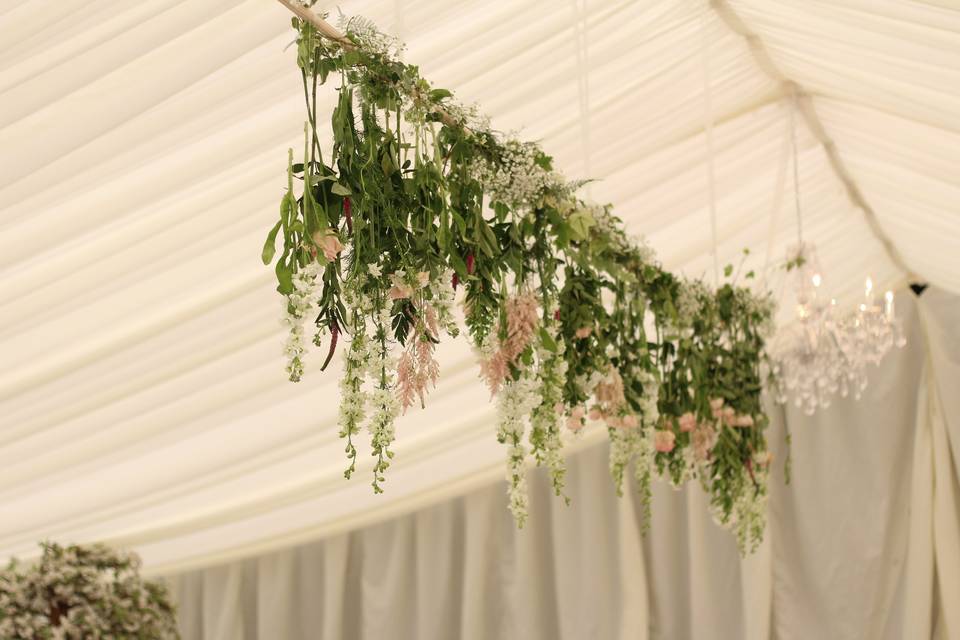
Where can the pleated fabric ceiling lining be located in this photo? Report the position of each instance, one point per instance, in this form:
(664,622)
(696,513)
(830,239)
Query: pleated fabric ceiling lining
(142,395)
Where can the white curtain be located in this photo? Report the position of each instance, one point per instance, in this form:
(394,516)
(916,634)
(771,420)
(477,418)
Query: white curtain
(862,544)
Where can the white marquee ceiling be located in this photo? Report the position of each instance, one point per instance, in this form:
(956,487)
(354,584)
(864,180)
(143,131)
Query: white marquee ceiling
(142,154)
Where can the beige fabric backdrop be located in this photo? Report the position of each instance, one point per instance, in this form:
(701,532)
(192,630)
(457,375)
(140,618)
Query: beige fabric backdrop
(863,544)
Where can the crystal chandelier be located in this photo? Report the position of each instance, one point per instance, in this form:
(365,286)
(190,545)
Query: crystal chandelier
(826,351)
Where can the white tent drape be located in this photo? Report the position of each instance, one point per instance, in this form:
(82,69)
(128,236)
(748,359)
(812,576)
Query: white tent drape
(142,155)
(862,544)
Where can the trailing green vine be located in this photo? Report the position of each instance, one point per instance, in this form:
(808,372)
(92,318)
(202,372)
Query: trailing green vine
(418,205)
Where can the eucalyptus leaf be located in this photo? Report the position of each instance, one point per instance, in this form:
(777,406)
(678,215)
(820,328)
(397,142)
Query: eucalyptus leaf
(270,246)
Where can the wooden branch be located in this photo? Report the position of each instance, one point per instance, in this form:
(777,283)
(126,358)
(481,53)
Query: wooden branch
(330,33)
(325,28)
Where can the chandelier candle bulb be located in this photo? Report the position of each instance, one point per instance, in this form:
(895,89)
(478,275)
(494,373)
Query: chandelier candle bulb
(888,306)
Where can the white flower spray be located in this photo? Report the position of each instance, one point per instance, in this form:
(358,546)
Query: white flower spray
(516,399)
(635,444)
(384,403)
(295,309)
(547,417)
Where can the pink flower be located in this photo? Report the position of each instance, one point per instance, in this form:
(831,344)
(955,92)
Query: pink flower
(614,421)
(729,415)
(703,440)
(716,405)
(559,408)
(688,422)
(583,332)
(629,421)
(400,291)
(663,441)
(743,421)
(329,243)
(610,392)
(595,414)
(417,368)
(575,421)
(522,323)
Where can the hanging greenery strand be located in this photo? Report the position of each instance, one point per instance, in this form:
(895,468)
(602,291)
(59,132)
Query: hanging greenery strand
(419,204)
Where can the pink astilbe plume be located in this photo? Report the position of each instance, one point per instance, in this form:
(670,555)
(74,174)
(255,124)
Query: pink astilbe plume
(523,319)
(417,368)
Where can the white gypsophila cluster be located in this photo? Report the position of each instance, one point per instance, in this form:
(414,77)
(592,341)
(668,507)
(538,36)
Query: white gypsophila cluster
(516,180)
(80,593)
(516,400)
(546,420)
(687,302)
(443,299)
(605,224)
(469,116)
(295,309)
(365,32)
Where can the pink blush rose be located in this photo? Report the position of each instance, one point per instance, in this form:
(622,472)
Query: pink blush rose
(329,243)
(664,441)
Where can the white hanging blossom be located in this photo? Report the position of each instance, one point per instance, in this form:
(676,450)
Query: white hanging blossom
(353,397)
(443,301)
(383,400)
(749,515)
(517,398)
(547,418)
(295,309)
(635,444)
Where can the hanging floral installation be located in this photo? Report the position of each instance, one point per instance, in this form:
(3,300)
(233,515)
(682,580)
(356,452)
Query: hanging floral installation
(419,212)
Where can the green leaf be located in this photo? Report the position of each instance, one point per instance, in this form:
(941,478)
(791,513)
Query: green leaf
(727,270)
(439,94)
(284,278)
(270,246)
(488,240)
(580,223)
(340,190)
(286,206)
(547,341)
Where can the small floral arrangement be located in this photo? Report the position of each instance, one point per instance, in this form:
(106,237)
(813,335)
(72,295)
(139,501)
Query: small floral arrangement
(83,592)
(420,212)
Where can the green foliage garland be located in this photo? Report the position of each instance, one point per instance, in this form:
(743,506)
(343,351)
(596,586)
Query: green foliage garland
(574,322)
